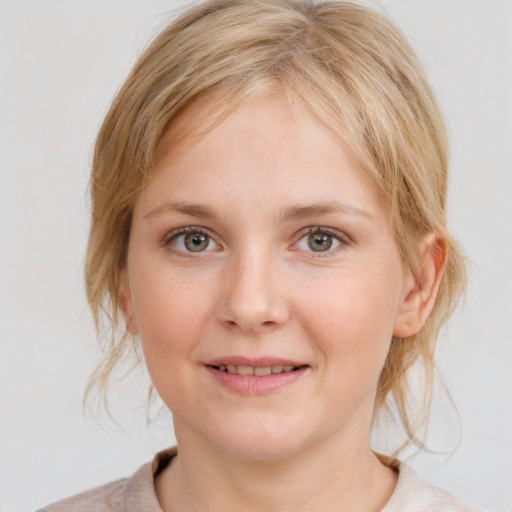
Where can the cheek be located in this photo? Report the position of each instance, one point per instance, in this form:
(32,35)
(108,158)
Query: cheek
(352,317)
(170,309)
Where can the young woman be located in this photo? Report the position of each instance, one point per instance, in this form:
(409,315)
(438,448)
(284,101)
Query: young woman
(269,222)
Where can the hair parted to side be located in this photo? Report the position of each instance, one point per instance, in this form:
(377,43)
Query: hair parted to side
(352,68)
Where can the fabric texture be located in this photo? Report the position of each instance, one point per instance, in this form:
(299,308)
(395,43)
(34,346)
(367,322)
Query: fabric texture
(137,493)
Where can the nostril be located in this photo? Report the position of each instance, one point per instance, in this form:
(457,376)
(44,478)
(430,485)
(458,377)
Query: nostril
(251,315)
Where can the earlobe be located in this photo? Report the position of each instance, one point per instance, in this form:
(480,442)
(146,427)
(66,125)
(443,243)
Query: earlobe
(126,302)
(421,290)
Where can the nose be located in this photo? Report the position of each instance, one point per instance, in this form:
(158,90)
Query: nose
(252,298)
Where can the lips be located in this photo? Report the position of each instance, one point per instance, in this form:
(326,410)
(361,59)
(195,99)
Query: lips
(258,371)
(255,376)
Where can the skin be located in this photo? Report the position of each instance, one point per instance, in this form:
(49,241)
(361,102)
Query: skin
(258,289)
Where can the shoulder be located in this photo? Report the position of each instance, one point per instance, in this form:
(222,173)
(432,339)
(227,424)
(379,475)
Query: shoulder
(134,493)
(109,497)
(413,495)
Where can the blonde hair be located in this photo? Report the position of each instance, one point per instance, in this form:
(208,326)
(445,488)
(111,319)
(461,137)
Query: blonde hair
(353,69)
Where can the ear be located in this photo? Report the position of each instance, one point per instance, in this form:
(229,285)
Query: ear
(420,291)
(126,302)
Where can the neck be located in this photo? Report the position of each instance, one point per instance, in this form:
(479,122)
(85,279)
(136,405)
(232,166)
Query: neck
(347,477)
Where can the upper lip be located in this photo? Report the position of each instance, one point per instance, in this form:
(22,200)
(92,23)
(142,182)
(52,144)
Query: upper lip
(258,362)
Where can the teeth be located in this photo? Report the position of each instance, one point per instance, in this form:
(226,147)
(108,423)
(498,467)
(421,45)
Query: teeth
(245,370)
(259,371)
(263,371)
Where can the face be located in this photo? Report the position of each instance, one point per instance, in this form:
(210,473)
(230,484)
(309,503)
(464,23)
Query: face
(265,284)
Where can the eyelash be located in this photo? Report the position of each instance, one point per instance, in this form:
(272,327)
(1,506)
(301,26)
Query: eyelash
(173,235)
(336,235)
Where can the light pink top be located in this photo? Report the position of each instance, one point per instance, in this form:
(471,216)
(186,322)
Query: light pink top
(137,494)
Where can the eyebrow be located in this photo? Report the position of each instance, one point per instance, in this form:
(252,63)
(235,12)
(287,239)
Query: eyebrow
(301,212)
(290,213)
(198,210)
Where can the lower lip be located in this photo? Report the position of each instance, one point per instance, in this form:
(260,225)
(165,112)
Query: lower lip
(252,385)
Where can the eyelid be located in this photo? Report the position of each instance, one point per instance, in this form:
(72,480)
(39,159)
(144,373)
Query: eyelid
(343,238)
(175,233)
(170,235)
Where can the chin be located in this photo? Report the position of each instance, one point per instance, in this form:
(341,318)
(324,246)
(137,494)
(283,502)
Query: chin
(261,442)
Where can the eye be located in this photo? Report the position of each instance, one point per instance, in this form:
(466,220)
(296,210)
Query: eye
(320,240)
(190,240)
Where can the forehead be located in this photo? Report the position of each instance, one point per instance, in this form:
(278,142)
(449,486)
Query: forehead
(264,147)
(213,107)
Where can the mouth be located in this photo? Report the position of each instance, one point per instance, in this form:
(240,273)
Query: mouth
(258,371)
(260,376)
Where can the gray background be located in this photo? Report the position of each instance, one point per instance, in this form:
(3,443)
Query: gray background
(61,63)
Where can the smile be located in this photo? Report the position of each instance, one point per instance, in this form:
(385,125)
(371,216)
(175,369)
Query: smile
(255,377)
(258,371)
